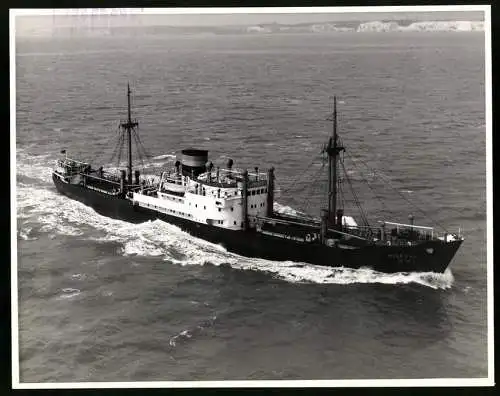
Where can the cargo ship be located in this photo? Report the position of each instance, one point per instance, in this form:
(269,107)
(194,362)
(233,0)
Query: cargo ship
(235,209)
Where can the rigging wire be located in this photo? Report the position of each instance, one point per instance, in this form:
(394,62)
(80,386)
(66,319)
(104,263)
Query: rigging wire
(364,219)
(415,197)
(340,194)
(340,189)
(143,154)
(97,153)
(298,177)
(122,141)
(147,155)
(138,151)
(388,181)
(117,147)
(311,186)
(306,193)
(385,209)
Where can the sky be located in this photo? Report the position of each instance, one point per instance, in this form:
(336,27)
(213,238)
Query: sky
(33,23)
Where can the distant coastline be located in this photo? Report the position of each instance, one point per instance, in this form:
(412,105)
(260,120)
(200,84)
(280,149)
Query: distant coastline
(89,29)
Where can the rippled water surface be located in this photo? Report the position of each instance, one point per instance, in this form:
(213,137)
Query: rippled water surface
(104,300)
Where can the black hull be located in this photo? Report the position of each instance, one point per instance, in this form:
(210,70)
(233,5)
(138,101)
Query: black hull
(429,256)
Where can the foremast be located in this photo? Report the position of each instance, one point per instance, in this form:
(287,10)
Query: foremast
(333,149)
(128,126)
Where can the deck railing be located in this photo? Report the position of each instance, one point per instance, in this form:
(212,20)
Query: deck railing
(421,232)
(398,235)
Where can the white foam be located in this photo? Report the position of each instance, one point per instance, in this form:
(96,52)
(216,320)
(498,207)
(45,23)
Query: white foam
(183,334)
(56,224)
(141,247)
(288,210)
(24,233)
(295,272)
(82,277)
(32,168)
(188,333)
(69,293)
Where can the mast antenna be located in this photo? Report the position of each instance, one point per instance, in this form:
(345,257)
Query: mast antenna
(129,125)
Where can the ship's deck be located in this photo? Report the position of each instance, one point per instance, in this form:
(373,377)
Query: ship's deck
(308,230)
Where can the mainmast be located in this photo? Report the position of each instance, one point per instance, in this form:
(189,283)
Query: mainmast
(128,126)
(333,150)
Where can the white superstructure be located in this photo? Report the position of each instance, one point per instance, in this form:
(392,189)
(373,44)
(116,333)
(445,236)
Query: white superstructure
(214,197)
